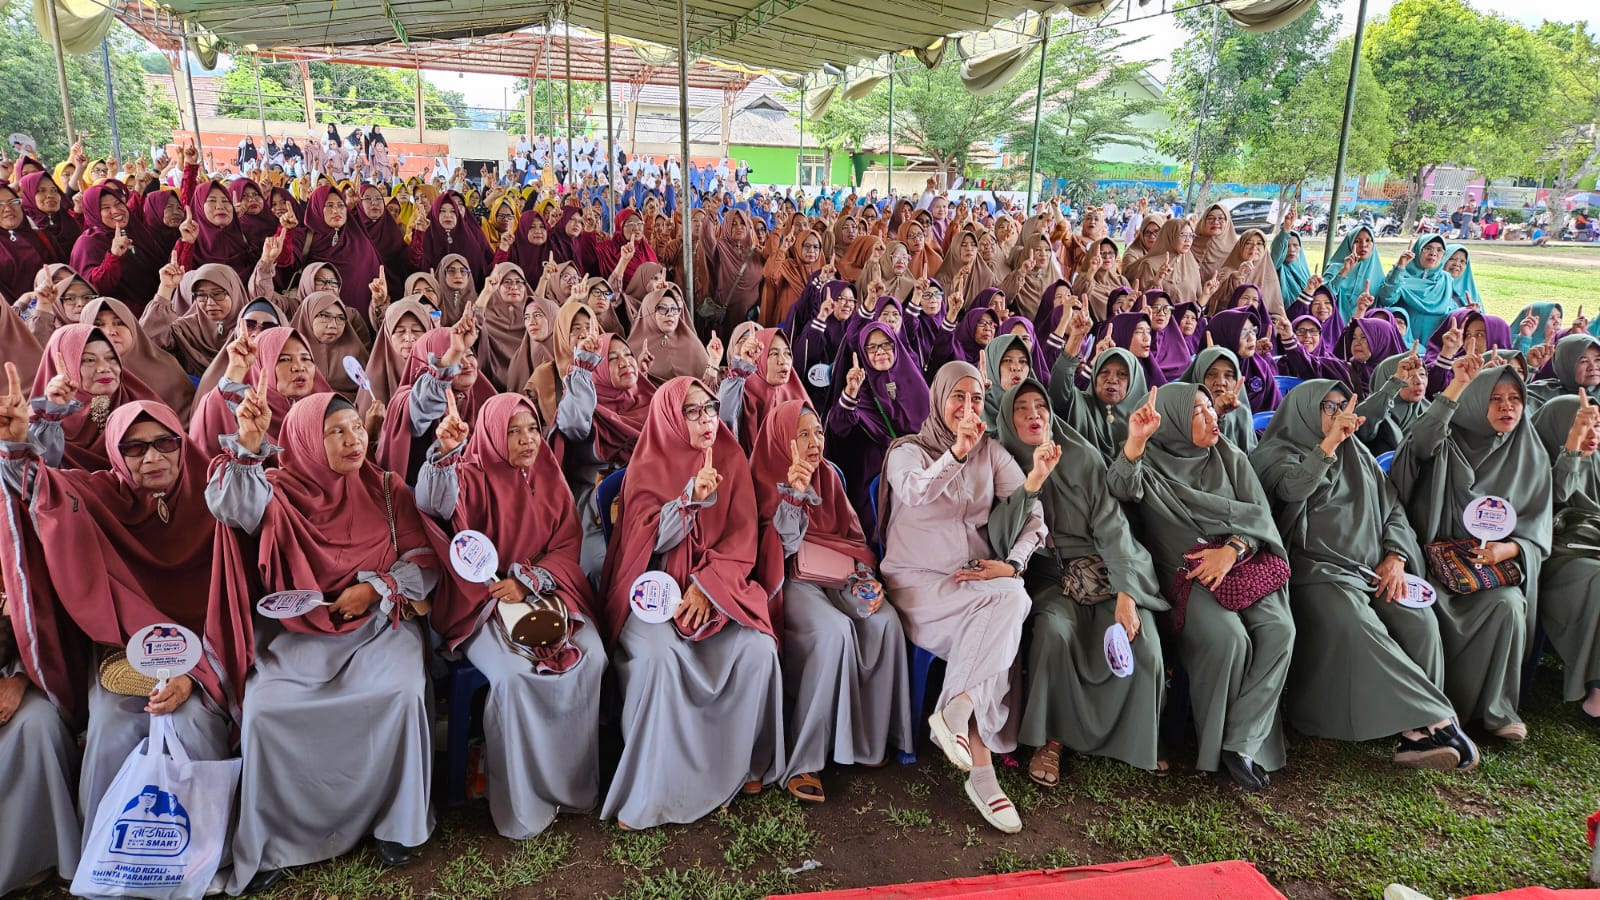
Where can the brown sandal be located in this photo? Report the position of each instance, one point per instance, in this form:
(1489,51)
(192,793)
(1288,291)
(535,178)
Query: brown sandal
(1162,769)
(751,787)
(806,788)
(1045,767)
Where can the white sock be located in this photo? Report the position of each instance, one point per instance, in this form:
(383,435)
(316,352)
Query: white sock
(957,714)
(985,782)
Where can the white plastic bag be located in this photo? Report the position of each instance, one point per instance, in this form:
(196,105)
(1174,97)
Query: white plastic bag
(161,827)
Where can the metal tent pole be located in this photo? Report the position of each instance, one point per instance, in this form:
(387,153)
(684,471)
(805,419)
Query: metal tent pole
(686,204)
(613,175)
(1205,101)
(1344,133)
(566,30)
(800,154)
(111,99)
(61,71)
(890,189)
(188,77)
(1038,101)
(261,110)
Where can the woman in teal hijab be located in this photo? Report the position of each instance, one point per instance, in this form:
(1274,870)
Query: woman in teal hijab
(1569,587)
(1353,269)
(1190,487)
(1476,441)
(1290,261)
(1458,265)
(1365,667)
(1072,696)
(1100,413)
(1217,370)
(1537,323)
(1419,285)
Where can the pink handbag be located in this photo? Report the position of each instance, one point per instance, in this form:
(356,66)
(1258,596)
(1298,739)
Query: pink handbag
(823,566)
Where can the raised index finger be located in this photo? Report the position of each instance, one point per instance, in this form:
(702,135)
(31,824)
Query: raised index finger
(450,404)
(13,381)
(710,463)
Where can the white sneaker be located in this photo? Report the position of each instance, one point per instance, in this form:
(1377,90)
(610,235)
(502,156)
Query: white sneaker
(1401,892)
(997,812)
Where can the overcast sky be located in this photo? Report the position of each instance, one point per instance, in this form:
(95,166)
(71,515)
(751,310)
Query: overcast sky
(1162,36)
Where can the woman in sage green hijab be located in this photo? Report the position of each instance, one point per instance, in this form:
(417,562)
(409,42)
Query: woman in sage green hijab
(1217,370)
(1399,395)
(1006,364)
(1574,364)
(1476,441)
(1569,588)
(1073,698)
(1365,666)
(1191,486)
(1099,414)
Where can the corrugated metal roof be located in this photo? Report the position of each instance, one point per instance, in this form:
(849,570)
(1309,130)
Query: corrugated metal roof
(782,35)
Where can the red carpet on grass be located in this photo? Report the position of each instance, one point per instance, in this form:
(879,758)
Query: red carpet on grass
(1157,876)
(1540,893)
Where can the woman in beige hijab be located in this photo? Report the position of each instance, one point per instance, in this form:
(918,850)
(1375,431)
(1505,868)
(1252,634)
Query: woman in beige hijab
(1171,266)
(1213,240)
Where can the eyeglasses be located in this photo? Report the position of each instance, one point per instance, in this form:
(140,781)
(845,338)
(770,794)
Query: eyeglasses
(699,413)
(1308,331)
(456,270)
(537,315)
(331,317)
(1334,407)
(667,310)
(880,346)
(134,449)
(326,282)
(253,325)
(78,298)
(1186,234)
(14,201)
(1163,308)
(513,279)
(210,296)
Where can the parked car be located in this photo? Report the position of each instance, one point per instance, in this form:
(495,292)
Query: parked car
(1252,212)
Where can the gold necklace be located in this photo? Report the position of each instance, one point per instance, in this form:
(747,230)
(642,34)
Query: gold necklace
(100,410)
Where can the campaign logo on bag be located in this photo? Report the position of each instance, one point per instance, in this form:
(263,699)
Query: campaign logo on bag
(153,824)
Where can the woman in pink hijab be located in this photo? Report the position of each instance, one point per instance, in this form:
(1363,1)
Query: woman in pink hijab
(688,513)
(498,477)
(335,727)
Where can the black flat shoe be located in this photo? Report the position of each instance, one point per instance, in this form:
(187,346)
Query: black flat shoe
(1430,752)
(1453,737)
(264,881)
(393,854)
(1591,721)
(1244,771)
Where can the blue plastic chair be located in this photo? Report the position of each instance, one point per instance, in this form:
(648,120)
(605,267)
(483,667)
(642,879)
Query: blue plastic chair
(464,680)
(1287,383)
(1385,460)
(605,495)
(921,660)
(1261,420)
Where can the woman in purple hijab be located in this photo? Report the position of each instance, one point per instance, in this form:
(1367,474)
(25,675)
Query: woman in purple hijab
(1484,332)
(1324,307)
(819,338)
(1306,355)
(882,400)
(1170,347)
(1132,332)
(977,328)
(1363,345)
(1239,332)
(340,243)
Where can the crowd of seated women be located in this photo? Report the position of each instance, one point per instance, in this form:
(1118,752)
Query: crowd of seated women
(844,428)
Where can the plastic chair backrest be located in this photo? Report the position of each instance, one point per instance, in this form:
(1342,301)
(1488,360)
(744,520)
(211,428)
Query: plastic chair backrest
(1385,460)
(1287,383)
(1261,420)
(605,496)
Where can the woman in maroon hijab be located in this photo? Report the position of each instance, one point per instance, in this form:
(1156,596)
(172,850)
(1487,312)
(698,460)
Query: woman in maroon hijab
(56,228)
(335,725)
(79,384)
(145,529)
(447,229)
(277,362)
(337,241)
(22,254)
(760,376)
(503,482)
(441,369)
(702,694)
(844,665)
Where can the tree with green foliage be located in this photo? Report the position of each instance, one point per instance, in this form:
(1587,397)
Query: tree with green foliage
(358,95)
(1251,76)
(28,80)
(1301,141)
(586,95)
(1457,79)
(1566,132)
(1085,106)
